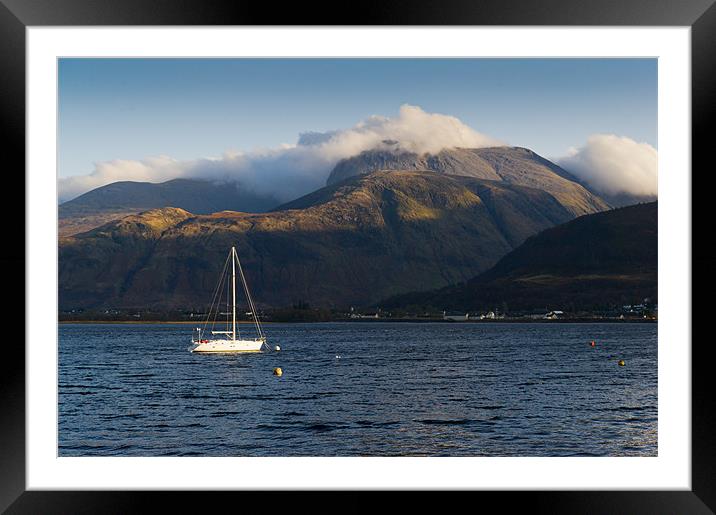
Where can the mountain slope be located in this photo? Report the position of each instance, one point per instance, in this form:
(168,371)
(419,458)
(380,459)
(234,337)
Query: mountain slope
(351,243)
(513,165)
(119,199)
(594,261)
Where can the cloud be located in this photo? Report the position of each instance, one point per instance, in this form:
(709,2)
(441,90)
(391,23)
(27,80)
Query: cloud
(612,165)
(151,169)
(289,171)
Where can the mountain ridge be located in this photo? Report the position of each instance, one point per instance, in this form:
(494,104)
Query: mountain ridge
(118,199)
(351,243)
(513,165)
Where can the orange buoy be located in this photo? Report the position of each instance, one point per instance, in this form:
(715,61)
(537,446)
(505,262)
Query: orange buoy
(592,344)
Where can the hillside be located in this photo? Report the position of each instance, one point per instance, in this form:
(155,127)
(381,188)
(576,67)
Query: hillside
(592,262)
(351,243)
(512,165)
(120,199)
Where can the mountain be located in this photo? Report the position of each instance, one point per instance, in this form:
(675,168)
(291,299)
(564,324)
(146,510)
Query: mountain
(351,243)
(119,199)
(627,199)
(595,261)
(512,165)
(516,166)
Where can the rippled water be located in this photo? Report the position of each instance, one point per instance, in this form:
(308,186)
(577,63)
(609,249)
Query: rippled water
(362,389)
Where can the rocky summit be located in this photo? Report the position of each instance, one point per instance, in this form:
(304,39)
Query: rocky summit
(511,165)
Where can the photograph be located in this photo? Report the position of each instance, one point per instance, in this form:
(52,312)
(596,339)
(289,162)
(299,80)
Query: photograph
(357,257)
(440,249)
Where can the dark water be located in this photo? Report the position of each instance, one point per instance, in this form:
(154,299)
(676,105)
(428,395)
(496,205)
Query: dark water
(396,389)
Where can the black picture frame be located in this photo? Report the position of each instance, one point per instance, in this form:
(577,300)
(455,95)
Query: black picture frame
(16,15)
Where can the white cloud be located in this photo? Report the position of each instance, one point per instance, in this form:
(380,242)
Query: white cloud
(612,164)
(289,171)
(152,169)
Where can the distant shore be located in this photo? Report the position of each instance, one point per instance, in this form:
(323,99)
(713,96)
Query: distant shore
(383,320)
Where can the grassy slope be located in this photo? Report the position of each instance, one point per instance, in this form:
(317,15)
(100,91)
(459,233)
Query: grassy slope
(119,199)
(352,243)
(595,261)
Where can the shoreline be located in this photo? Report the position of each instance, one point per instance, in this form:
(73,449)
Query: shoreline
(381,320)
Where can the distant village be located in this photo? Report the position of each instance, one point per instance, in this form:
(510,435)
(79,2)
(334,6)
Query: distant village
(302,312)
(643,311)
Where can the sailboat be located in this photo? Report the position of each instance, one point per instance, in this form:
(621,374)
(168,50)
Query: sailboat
(229,340)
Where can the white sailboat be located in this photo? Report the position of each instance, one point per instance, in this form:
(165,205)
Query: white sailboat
(229,340)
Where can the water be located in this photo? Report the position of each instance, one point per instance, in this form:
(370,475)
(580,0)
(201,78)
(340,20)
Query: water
(362,389)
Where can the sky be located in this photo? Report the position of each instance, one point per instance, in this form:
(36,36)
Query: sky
(130,112)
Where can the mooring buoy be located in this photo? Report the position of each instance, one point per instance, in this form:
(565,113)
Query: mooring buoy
(277,348)
(622,363)
(277,371)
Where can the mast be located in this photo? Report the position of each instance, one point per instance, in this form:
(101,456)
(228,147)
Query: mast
(233,294)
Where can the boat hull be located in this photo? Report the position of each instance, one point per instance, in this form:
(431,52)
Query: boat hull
(228,346)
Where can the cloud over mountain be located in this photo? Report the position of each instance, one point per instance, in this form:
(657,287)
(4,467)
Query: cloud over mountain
(289,171)
(612,165)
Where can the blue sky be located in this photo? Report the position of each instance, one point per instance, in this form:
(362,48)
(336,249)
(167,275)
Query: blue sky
(193,108)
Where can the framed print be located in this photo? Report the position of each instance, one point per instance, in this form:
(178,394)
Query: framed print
(418,252)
